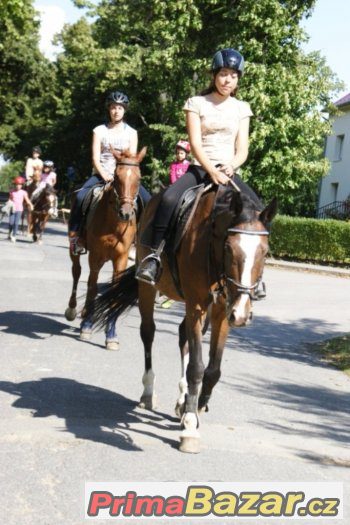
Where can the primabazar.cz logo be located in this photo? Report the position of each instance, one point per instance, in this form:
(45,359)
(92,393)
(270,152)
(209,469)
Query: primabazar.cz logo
(133,500)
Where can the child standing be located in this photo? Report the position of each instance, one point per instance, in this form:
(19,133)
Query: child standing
(17,196)
(180,166)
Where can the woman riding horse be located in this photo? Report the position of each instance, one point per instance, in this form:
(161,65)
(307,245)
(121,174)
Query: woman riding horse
(115,136)
(218,129)
(109,234)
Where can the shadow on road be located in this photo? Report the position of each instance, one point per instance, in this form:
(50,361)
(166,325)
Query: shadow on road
(91,413)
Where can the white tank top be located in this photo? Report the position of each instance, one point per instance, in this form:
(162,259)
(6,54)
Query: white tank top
(108,137)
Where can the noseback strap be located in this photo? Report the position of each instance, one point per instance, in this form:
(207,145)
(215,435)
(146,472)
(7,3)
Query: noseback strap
(248,232)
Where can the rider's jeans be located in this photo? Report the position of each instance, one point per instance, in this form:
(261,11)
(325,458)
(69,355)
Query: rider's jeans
(14,221)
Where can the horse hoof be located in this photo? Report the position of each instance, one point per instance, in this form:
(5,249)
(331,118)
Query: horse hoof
(85,335)
(148,402)
(203,409)
(70,314)
(112,345)
(190,445)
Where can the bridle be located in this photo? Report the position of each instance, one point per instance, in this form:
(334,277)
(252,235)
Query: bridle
(242,288)
(126,199)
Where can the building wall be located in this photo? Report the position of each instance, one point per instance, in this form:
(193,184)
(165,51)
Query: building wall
(336,185)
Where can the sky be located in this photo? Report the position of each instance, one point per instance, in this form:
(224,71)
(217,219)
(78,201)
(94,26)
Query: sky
(328,28)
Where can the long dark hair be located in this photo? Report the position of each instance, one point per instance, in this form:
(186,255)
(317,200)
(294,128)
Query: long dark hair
(212,87)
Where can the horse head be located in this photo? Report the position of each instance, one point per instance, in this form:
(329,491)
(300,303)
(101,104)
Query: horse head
(127,181)
(243,230)
(44,200)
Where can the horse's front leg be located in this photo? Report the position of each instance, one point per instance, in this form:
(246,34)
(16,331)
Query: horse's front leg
(147,296)
(86,324)
(183,344)
(190,437)
(219,331)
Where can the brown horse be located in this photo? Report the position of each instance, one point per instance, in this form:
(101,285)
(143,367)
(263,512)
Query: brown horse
(44,200)
(220,263)
(108,238)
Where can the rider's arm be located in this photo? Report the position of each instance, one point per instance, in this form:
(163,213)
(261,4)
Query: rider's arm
(133,142)
(96,153)
(194,131)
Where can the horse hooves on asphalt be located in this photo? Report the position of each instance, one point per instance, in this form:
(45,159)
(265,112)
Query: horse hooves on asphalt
(70,314)
(112,345)
(190,445)
(148,402)
(85,335)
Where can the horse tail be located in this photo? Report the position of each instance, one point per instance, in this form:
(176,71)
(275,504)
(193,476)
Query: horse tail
(119,296)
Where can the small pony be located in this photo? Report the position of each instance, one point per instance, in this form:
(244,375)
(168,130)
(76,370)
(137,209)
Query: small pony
(220,262)
(44,200)
(108,236)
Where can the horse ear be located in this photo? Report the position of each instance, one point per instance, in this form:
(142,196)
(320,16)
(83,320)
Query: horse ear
(141,154)
(269,212)
(236,205)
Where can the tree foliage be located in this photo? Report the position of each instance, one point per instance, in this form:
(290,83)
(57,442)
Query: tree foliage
(24,81)
(159,52)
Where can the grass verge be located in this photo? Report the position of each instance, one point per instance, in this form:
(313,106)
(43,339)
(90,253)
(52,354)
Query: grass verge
(336,351)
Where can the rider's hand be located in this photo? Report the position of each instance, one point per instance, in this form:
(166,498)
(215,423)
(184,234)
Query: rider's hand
(107,178)
(227,169)
(218,177)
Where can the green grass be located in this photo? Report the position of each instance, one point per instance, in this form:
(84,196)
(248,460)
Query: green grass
(336,351)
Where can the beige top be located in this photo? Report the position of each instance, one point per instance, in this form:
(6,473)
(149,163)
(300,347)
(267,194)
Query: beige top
(219,125)
(31,164)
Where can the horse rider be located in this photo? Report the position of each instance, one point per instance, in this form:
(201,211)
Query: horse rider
(115,134)
(218,129)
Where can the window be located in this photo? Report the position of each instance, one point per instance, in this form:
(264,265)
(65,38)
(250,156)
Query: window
(334,191)
(338,150)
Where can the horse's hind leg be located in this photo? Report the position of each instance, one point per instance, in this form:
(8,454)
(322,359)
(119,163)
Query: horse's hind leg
(119,265)
(183,344)
(71,311)
(86,324)
(146,306)
(219,331)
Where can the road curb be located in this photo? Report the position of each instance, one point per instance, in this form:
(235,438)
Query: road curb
(311,268)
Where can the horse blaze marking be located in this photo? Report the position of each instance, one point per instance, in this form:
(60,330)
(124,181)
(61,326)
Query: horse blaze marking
(249,245)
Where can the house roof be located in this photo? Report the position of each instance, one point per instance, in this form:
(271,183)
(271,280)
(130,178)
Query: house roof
(344,101)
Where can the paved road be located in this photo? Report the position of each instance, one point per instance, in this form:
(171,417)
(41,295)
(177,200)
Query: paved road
(68,408)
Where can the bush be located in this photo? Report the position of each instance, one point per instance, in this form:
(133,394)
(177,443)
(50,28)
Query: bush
(316,240)
(8,172)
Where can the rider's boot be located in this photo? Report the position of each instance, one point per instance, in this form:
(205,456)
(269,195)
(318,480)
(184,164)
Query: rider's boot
(150,268)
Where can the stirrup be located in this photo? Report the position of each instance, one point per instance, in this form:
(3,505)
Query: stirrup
(146,275)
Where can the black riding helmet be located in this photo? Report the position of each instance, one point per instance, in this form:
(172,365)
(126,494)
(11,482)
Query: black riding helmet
(230,58)
(117,97)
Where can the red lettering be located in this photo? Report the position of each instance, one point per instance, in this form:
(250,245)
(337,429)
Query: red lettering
(117,503)
(174,506)
(99,500)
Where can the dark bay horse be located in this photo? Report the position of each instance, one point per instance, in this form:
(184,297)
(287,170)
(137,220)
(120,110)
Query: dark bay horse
(44,200)
(220,262)
(108,237)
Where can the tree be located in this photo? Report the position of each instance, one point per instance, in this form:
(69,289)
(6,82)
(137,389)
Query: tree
(25,77)
(159,52)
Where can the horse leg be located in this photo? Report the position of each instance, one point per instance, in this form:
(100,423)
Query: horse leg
(71,311)
(190,437)
(112,342)
(86,324)
(183,344)
(146,306)
(218,338)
